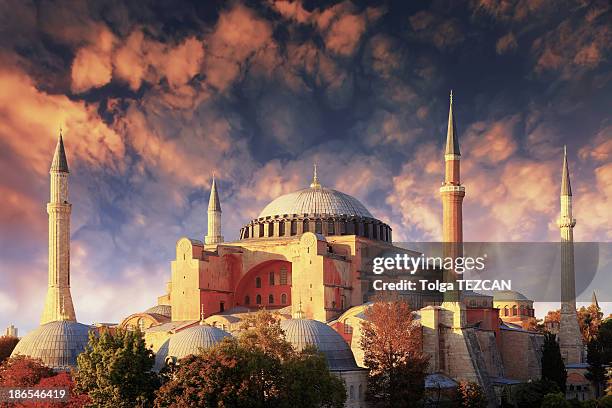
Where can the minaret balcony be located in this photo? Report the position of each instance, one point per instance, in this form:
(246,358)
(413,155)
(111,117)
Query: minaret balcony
(449,188)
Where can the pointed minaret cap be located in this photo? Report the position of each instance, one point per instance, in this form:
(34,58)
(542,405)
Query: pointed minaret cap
(214,204)
(594,300)
(59,163)
(315,179)
(566,187)
(452,141)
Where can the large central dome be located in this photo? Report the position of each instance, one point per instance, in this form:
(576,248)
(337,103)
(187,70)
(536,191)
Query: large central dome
(316,209)
(316,200)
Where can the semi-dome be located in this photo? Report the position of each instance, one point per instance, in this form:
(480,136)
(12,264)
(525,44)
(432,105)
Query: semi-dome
(57,343)
(315,200)
(304,332)
(164,310)
(189,341)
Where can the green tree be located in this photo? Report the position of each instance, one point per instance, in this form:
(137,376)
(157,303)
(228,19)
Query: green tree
(596,371)
(604,335)
(115,370)
(555,400)
(532,394)
(605,402)
(7,345)
(393,354)
(309,383)
(471,395)
(553,367)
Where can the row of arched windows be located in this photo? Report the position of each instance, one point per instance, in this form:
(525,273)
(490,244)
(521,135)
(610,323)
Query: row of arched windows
(247,299)
(520,311)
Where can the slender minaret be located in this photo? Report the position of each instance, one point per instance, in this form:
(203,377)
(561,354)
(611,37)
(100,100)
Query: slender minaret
(570,340)
(213,235)
(452,193)
(58,304)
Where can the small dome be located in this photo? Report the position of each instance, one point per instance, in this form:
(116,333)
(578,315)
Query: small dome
(57,344)
(164,310)
(189,341)
(303,332)
(508,295)
(316,200)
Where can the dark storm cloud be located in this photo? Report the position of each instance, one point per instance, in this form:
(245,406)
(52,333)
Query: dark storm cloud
(155,96)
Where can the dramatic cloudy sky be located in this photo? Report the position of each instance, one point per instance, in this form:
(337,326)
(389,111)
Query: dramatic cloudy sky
(155,96)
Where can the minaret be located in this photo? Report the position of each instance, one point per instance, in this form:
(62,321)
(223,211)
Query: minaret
(213,235)
(58,304)
(452,193)
(570,339)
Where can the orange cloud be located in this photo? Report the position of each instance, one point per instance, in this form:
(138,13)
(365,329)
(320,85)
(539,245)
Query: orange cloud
(506,44)
(345,34)
(92,67)
(30,119)
(600,148)
(491,142)
(239,34)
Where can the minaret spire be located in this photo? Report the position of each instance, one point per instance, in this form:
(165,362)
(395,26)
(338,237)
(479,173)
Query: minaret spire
(452,141)
(213,235)
(58,303)
(570,339)
(452,193)
(566,186)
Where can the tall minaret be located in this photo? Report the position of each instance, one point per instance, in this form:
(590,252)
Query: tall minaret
(452,193)
(570,339)
(58,304)
(213,235)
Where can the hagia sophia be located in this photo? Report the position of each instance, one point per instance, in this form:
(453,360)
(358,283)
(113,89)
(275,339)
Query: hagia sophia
(308,257)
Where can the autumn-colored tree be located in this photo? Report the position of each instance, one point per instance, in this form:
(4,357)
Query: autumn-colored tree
(62,380)
(553,367)
(471,395)
(7,345)
(262,331)
(115,370)
(532,324)
(21,371)
(391,341)
(589,319)
(25,372)
(259,368)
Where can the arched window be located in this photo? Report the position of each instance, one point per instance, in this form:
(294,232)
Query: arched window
(281,228)
(246,232)
(258,282)
(271,299)
(522,310)
(318,227)
(271,278)
(141,324)
(270,229)
(357,228)
(331,228)
(505,310)
(283,275)
(343,302)
(247,300)
(514,310)
(342,227)
(351,393)
(348,329)
(258,299)
(305,227)
(284,299)
(293,227)
(261,230)
(374,231)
